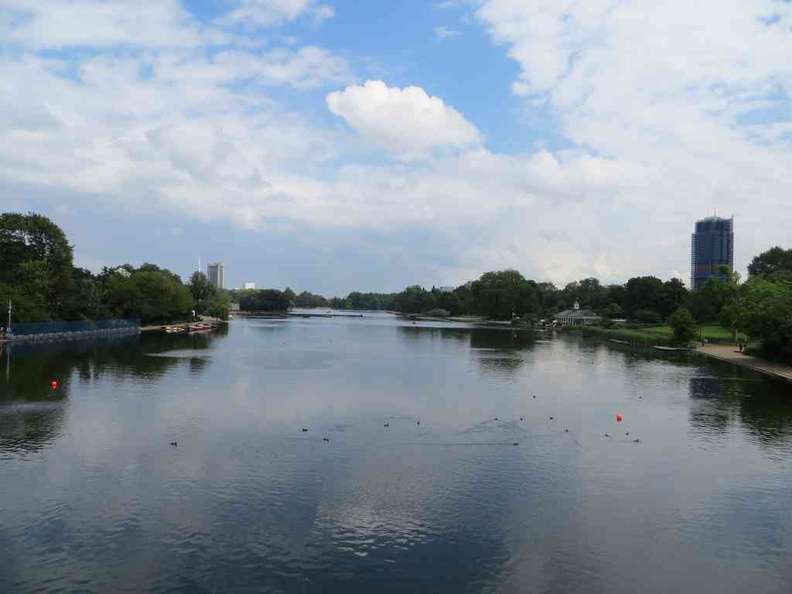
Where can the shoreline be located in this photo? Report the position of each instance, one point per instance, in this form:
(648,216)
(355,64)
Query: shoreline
(728,354)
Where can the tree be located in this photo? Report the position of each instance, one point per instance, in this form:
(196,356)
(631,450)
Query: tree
(612,311)
(643,294)
(683,326)
(290,296)
(264,300)
(767,317)
(731,312)
(35,238)
(414,299)
(202,290)
(672,296)
(771,261)
(153,294)
(504,293)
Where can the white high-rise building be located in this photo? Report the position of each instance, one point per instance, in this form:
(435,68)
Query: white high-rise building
(217,275)
(250,286)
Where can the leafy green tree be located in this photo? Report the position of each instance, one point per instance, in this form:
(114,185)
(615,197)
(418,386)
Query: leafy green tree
(683,326)
(504,293)
(766,316)
(731,312)
(771,261)
(290,296)
(153,294)
(203,292)
(612,311)
(220,305)
(672,296)
(643,294)
(26,238)
(264,300)
(414,299)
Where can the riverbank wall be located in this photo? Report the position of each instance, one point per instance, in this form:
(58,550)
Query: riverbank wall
(57,331)
(728,354)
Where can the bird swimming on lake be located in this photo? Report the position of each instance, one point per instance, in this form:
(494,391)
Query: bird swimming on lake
(387,425)
(418,422)
(566,430)
(495,419)
(515,443)
(606,435)
(326,439)
(174,444)
(627,433)
(636,441)
(522,419)
(534,396)
(304,430)
(551,418)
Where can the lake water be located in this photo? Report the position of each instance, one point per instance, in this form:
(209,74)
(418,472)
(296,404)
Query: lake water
(472,486)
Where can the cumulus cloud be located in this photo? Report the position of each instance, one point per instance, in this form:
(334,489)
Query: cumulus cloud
(66,23)
(266,13)
(670,88)
(406,122)
(664,123)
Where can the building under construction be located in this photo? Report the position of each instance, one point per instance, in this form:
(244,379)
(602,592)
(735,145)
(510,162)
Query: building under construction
(712,247)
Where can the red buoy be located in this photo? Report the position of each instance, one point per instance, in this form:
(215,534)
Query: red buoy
(619,418)
(54,384)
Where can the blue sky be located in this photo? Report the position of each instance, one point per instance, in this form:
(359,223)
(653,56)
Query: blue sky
(336,145)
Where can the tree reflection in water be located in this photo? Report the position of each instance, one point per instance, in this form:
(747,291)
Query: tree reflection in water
(32,411)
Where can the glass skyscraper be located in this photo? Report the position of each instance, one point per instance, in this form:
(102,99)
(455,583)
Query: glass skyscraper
(712,246)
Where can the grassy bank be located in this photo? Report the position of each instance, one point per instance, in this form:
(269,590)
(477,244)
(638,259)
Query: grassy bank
(712,333)
(658,335)
(637,336)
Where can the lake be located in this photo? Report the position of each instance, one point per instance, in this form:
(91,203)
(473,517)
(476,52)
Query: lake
(437,458)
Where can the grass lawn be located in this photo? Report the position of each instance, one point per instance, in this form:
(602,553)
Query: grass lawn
(715,332)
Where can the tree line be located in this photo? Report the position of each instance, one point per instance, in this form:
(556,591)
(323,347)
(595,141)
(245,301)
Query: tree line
(38,276)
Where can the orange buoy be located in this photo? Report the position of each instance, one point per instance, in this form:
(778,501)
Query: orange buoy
(54,384)
(619,418)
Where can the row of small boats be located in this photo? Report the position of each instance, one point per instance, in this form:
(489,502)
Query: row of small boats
(190,328)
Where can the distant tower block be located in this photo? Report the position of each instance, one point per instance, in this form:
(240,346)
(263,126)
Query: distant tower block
(217,275)
(249,286)
(711,248)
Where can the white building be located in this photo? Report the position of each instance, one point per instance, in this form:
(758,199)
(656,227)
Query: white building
(577,317)
(217,275)
(249,286)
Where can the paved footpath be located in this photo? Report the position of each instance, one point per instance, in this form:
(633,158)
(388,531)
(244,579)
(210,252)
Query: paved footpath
(730,354)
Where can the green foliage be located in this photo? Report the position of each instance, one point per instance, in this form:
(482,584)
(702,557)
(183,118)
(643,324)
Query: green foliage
(765,311)
(309,300)
(202,291)
(505,293)
(263,300)
(771,261)
(36,261)
(153,294)
(414,299)
(220,305)
(683,326)
(612,311)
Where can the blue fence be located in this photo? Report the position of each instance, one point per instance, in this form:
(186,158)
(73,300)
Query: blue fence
(36,329)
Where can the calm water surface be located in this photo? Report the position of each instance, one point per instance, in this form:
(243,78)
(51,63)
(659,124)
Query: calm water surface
(94,499)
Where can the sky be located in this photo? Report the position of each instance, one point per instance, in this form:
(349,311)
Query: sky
(341,145)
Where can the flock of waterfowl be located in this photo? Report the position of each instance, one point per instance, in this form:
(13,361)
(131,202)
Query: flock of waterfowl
(522,418)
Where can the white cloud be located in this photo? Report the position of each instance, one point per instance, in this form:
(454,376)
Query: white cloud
(266,13)
(654,107)
(406,122)
(444,32)
(664,86)
(65,23)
